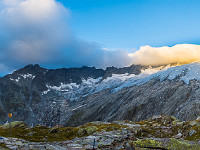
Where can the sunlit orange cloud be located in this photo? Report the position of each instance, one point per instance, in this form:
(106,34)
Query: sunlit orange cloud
(180,53)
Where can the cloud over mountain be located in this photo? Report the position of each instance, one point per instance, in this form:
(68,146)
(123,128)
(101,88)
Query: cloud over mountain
(37,31)
(180,53)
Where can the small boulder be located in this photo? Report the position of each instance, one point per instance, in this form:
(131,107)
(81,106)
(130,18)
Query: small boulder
(82,132)
(111,128)
(91,129)
(191,132)
(40,126)
(178,136)
(54,129)
(193,123)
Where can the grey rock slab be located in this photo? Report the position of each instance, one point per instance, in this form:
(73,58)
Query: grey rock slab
(191,132)
(19,143)
(74,145)
(8,142)
(55,147)
(12,147)
(1,141)
(37,147)
(88,146)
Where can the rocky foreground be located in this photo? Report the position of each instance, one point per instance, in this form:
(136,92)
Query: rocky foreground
(158,132)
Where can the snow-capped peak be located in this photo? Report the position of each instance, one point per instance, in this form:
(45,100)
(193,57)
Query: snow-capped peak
(184,73)
(93,85)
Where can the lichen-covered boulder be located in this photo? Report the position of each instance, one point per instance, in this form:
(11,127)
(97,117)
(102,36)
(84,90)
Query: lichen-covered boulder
(54,130)
(87,130)
(91,129)
(194,123)
(82,132)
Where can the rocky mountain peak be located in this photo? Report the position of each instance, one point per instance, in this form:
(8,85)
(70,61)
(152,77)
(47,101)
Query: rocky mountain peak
(31,68)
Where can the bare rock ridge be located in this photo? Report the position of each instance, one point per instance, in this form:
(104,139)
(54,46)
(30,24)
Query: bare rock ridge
(74,96)
(24,92)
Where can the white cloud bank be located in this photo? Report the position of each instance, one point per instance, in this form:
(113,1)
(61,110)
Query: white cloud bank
(180,53)
(36,31)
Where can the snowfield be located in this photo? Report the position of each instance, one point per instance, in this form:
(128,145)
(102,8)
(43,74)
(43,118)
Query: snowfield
(116,82)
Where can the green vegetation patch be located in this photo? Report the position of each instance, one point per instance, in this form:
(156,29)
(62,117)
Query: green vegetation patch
(44,134)
(167,144)
(15,124)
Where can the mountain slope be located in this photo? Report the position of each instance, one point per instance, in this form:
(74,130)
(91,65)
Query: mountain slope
(77,95)
(42,96)
(174,91)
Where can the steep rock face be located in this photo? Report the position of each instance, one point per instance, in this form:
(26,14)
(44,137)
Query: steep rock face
(75,96)
(174,91)
(133,69)
(140,102)
(48,96)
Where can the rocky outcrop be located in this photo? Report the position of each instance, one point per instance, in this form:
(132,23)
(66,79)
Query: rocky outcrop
(133,69)
(157,132)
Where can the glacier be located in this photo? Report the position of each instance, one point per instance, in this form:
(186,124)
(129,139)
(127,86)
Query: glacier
(184,73)
(117,82)
(89,86)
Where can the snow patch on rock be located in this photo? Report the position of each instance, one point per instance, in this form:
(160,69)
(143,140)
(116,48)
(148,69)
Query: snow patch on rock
(28,75)
(91,81)
(62,87)
(16,80)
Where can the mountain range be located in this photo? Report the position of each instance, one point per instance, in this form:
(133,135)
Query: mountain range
(74,96)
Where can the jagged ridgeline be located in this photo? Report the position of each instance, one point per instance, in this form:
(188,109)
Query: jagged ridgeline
(75,96)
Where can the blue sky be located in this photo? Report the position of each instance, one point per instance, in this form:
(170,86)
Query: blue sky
(134,23)
(100,33)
